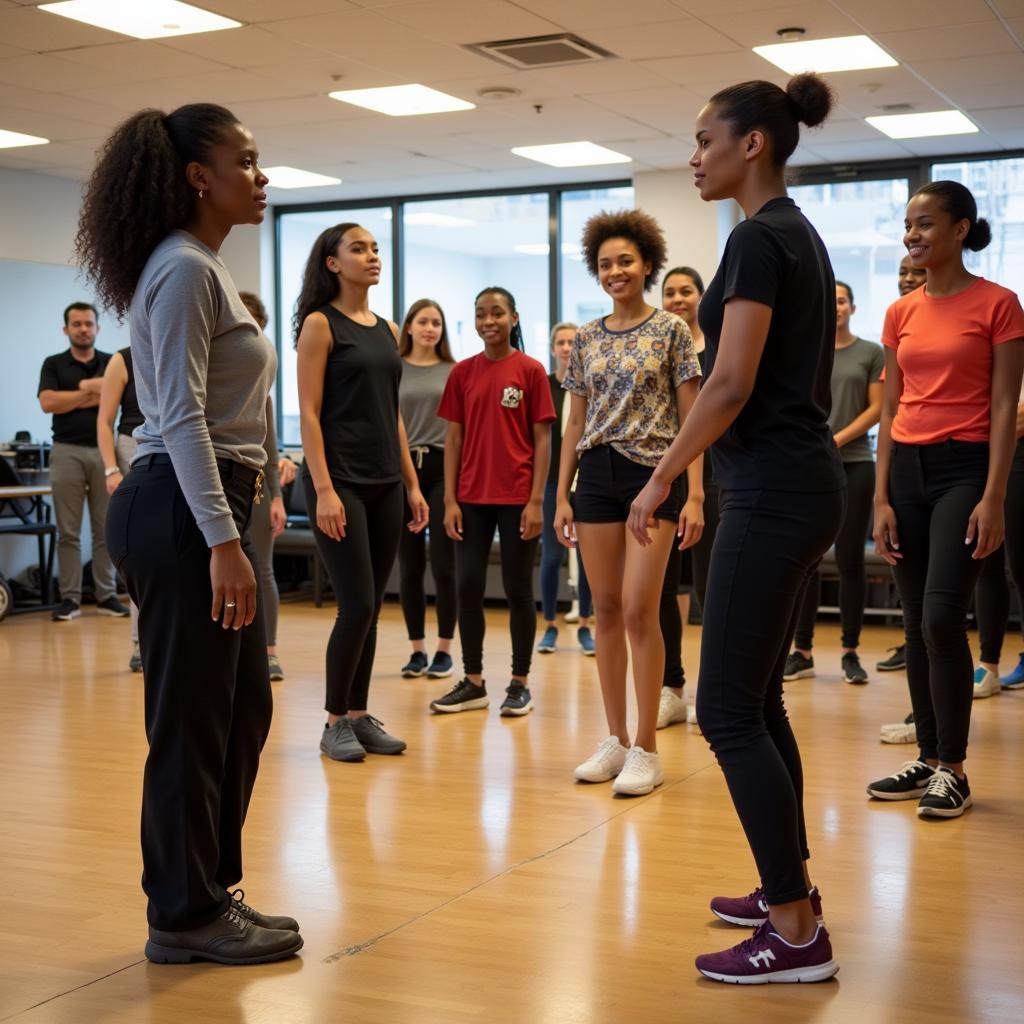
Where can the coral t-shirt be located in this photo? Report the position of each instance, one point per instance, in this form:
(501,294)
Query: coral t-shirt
(497,401)
(944,350)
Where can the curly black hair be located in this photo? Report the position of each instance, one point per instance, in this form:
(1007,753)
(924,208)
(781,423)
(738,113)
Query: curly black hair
(138,193)
(638,227)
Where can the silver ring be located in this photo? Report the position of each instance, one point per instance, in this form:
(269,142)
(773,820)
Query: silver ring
(230,604)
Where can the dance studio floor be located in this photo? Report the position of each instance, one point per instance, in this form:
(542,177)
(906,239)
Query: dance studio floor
(471,880)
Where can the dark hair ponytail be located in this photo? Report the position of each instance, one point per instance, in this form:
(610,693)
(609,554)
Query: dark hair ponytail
(137,193)
(516,335)
(698,281)
(807,99)
(319,285)
(959,203)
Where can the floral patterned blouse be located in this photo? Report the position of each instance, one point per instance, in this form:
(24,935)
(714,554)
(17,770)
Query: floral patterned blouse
(629,379)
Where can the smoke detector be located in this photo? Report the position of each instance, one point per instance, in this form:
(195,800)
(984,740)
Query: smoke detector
(499,92)
(791,35)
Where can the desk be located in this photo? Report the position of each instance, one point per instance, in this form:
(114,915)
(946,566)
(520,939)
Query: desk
(23,512)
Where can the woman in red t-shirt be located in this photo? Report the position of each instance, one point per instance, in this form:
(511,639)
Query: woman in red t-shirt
(499,412)
(953,362)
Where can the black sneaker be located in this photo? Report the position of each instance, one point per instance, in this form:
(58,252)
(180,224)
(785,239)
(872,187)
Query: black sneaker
(798,667)
(853,670)
(416,666)
(896,662)
(441,666)
(112,607)
(463,696)
(66,611)
(946,797)
(517,701)
(909,783)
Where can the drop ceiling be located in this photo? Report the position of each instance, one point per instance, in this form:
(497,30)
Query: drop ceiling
(73,83)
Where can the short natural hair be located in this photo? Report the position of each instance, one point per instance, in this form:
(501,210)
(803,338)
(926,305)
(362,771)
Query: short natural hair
(80,305)
(565,325)
(849,291)
(634,225)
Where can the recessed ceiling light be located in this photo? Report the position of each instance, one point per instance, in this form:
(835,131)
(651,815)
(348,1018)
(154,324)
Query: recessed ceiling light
(294,177)
(572,154)
(426,219)
(149,20)
(402,100)
(11,140)
(844,53)
(919,126)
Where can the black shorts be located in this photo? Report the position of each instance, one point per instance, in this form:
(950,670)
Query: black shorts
(607,484)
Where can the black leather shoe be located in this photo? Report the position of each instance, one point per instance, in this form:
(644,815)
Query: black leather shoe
(288,924)
(230,939)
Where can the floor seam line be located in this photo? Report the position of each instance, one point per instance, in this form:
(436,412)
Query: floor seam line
(77,988)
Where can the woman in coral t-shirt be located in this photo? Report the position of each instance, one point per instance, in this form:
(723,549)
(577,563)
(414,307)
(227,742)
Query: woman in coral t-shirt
(953,362)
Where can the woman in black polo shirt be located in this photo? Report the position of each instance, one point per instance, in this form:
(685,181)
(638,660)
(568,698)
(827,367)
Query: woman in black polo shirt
(769,319)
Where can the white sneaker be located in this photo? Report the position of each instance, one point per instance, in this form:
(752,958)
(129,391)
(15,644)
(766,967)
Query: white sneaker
(986,683)
(900,732)
(640,774)
(573,614)
(671,709)
(605,763)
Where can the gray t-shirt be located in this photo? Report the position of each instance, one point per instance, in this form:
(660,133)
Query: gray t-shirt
(418,398)
(855,367)
(203,370)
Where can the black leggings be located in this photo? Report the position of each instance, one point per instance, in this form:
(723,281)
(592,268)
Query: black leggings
(207,692)
(472,554)
(358,566)
(933,490)
(767,544)
(412,557)
(992,595)
(850,545)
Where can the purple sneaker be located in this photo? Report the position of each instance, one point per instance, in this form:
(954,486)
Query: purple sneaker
(767,957)
(751,911)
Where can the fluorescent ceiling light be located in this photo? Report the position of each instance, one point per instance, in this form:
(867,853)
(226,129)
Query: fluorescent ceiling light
(144,19)
(294,177)
(402,100)
(11,140)
(844,53)
(426,219)
(919,126)
(572,154)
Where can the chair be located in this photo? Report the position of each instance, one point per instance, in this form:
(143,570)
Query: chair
(30,517)
(297,538)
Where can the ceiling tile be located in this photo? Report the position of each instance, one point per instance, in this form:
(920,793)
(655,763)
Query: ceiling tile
(583,16)
(951,144)
(602,76)
(948,41)
(353,33)
(32,29)
(856,152)
(679,38)
(757,28)
(54,74)
(672,109)
(141,60)
(703,68)
(885,16)
(324,75)
(273,10)
(998,119)
(470,21)
(426,64)
(47,125)
(245,47)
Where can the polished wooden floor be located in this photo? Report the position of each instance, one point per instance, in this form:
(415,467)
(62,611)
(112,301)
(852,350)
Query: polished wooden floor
(471,880)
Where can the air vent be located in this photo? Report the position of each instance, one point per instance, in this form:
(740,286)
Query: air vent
(541,51)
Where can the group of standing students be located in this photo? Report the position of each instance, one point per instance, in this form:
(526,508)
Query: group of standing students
(638,423)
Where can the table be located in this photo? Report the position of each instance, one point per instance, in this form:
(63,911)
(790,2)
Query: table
(33,520)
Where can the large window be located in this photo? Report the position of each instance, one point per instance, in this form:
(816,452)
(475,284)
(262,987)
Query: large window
(452,248)
(998,187)
(296,234)
(581,298)
(861,223)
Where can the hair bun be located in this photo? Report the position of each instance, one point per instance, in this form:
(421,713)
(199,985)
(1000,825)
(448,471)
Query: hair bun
(812,98)
(979,235)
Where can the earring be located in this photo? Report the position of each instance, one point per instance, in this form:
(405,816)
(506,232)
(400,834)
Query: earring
(200,193)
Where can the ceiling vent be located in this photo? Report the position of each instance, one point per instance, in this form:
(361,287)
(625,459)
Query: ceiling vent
(541,51)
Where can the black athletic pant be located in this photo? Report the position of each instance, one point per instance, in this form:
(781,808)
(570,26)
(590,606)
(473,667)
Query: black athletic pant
(767,544)
(472,554)
(207,693)
(358,566)
(412,556)
(702,549)
(933,490)
(850,545)
(992,595)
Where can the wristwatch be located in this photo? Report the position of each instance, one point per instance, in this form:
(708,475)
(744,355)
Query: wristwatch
(111,470)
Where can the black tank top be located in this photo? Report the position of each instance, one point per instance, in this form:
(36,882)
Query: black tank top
(359,413)
(131,414)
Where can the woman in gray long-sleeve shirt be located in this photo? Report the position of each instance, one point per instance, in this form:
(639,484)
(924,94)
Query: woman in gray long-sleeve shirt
(165,193)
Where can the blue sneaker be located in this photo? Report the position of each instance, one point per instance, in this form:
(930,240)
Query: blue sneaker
(586,639)
(1015,680)
(549,641)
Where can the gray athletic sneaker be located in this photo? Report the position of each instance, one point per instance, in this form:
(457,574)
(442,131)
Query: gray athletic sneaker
(369,731)
(339,742)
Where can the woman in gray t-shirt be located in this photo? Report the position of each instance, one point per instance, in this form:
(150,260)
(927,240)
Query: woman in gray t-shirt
(856,408)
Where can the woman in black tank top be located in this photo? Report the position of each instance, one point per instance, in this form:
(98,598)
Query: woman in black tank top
(356,457)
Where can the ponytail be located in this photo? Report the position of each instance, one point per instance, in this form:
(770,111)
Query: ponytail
(516,334)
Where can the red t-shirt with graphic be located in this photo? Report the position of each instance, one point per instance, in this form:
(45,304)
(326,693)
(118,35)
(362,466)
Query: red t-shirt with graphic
(497,401)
